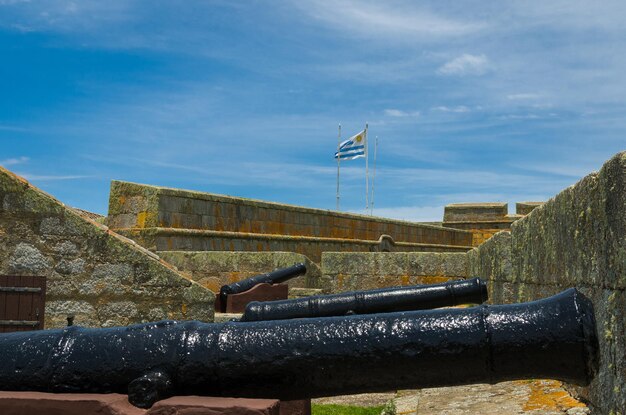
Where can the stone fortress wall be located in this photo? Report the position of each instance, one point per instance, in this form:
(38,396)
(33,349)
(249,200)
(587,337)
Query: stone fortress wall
(484,219)
(217,239)
(163,219)
(101,278)
(576,239)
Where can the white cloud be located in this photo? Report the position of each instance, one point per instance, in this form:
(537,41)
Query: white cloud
(45,178)
(12,2)
(465,64)
(399,113)
(373,19)
(13,161)
(460,108)
(523,97)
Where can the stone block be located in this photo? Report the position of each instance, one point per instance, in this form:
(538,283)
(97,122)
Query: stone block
(70,267)
(493,259)
(425,263)
(470,212)
(524,208)
(27,259)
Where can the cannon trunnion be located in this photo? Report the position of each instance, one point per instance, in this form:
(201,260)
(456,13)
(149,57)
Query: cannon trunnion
(416,297)
(304,358)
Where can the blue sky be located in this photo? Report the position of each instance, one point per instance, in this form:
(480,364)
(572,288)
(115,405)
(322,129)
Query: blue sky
(471,101)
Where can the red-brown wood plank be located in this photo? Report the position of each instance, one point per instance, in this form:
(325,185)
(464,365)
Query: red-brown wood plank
(13,302)
(39,301)
(3,301)
(25,311)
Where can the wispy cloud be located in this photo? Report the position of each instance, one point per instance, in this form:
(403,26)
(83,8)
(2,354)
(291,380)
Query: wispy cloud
(374,19)
(13,161)
(464,65)
(13,128)
(459,109)
(12,2)
(47,178)
(523,96)
(399,113)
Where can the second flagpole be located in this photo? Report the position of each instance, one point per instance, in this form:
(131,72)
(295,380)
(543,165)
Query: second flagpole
(338,158)
(367,191)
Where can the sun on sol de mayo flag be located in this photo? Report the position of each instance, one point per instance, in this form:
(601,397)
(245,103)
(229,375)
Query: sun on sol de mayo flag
(352,148)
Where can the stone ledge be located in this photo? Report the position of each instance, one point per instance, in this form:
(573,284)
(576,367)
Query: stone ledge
(193,194)
(156,231)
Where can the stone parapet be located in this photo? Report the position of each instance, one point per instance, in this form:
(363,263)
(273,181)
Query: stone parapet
(471,212)
(166,239)
(524,208)
(482,219)
(137,206)
(213,269)
(576,239)
(100,277)
(344,271)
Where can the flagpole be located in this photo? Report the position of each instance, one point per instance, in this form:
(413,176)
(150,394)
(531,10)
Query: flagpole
(367,156)
(374,178)
(338,158)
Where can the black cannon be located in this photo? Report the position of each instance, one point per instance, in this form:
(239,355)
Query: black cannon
(274,277)
(553,338)
(417,297)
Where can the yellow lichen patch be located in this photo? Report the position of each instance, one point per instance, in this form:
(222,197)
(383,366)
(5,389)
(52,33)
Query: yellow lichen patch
(183,309)
(405,280)
(212,285)
(339,281)
(234,276)
(144,218)
(549,394)
(434,279)
(141,219)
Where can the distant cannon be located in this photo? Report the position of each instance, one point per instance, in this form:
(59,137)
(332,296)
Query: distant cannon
(274,277)
(416,297)
(554,338)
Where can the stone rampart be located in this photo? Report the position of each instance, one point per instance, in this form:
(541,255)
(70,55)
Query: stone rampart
(484,219)
(577,239)
(166,239)
(171,219)
(342,271)
(214,269)
(101,278)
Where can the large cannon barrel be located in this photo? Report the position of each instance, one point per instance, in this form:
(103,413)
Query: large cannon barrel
(417,297)
(274,277)
(552,338)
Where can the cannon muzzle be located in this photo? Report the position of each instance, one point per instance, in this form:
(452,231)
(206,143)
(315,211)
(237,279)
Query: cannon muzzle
(386,300)
(554,338)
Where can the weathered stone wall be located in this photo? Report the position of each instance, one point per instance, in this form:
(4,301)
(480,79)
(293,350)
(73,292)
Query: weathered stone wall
(142,207)
(484,219)
(100,277)
(167,239)
(577,239)
(214,269)
(343,271)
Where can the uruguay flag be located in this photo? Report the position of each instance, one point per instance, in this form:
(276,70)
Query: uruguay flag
(352,148)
